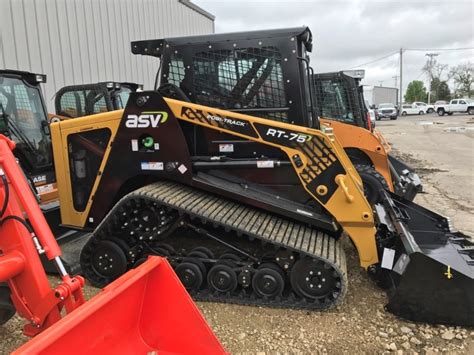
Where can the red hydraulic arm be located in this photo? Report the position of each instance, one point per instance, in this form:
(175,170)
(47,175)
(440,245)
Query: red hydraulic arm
(20,246)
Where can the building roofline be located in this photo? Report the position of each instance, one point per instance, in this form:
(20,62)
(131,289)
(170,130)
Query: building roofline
(198,9)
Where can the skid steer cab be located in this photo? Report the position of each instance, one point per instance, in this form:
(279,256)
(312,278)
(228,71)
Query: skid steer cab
(268,74)
(82,100)
(264,228)
(144,311)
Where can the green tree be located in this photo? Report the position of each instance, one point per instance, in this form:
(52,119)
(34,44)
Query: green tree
(416,91)
(440,90)
(463,76)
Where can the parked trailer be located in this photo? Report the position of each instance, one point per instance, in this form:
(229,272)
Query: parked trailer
(376,95)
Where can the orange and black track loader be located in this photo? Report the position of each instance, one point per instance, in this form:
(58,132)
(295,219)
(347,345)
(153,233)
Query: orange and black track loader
(147,310)
(265,228)
(267,74)
(340,102)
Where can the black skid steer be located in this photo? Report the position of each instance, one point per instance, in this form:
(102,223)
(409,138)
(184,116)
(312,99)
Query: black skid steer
(263,229)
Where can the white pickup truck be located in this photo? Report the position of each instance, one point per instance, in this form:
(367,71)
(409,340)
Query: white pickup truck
(456,105)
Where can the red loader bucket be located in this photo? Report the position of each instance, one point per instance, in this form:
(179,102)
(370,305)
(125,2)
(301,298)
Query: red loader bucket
(146,311)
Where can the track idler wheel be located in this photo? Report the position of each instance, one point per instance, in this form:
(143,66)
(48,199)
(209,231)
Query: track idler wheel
(191,275)
(222,278)
(315,280)
(268,281)
(108,261)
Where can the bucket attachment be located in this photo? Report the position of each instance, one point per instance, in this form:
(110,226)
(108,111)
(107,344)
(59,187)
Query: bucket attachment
(429,269)
(146,311)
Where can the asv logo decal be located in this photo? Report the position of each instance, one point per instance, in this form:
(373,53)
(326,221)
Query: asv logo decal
(146,119)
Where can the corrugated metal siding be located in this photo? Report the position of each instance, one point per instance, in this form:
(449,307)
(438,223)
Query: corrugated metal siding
(84,41)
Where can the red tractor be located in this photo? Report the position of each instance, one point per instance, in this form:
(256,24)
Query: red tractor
(145,311)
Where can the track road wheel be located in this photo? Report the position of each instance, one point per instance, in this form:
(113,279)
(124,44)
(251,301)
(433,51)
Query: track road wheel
(7,309)
(230,256)
(373,182)
(108,261)
(316,280)
(190,275)
(222,278)
(268,281)
(164,249)
(204,251)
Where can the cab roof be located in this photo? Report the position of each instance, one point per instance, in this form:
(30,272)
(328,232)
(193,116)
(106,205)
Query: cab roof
(154,47)
(29,77)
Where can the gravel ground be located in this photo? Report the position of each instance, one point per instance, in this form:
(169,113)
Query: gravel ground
(442,153)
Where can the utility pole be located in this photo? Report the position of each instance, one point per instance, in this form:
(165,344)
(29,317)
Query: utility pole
(396,79)
(430,64)
(401,76)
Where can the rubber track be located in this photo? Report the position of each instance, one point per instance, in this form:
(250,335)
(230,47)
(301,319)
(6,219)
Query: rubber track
(244,221)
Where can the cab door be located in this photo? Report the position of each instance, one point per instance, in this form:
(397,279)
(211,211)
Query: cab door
(453,106)
(24,118)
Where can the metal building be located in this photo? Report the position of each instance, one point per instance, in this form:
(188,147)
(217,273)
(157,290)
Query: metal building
(85,41)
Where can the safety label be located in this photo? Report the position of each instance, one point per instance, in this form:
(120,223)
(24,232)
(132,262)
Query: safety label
(152,165)
(134,145)
(401,264)
(265,164)
(45,188)
(226,148)
(388,258)
(182,169)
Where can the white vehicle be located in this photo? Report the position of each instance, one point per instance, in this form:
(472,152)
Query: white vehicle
(387,110)
(439,103)
(372,116)
(457,105)
(427,108)
(411,109)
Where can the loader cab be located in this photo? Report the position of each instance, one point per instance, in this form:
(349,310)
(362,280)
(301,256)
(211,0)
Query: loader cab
(82,100)
(23,118)
(247,72)
(338,96)
(259,73)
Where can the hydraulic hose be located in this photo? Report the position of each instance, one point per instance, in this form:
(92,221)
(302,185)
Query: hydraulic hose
(7,196)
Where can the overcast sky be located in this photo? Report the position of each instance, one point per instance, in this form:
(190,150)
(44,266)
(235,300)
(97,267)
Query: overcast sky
(349,33)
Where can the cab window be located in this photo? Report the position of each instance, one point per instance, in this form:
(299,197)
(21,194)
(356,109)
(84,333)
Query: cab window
(82,102)
(240,78)
(335,102)
(23,118)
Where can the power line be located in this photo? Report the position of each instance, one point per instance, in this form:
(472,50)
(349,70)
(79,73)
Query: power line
(413,49)
(438,49)
(373,61)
